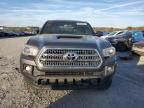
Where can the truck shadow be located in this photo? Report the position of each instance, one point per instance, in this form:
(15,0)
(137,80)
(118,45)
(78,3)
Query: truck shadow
(126,90)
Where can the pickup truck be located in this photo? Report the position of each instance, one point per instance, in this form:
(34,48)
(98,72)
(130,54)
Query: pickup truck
(67,52)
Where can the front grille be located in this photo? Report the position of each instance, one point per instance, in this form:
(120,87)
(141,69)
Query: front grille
(55,58)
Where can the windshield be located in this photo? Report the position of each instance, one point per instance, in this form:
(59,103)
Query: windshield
(78,28)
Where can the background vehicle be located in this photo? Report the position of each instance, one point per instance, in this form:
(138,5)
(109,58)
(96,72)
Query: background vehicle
(2,34)
(105,33)
(67,52)
(100,33)
(15,34)
(138,48)
(122,41)
(112,34)
(7,34)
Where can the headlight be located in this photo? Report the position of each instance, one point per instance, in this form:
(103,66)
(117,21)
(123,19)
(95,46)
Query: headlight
(30,50)
(108,52)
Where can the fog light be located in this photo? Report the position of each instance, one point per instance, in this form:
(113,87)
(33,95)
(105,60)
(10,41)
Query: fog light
(109,70)
(29,69)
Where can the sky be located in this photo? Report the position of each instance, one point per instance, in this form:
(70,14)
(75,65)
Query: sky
(99,13)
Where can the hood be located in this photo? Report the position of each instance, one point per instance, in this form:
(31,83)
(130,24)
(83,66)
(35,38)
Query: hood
(60,40)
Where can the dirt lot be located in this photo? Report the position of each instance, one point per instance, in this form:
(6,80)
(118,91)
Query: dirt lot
(127,90)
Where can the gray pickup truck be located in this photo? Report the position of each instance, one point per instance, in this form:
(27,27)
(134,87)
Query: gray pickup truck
(68,53)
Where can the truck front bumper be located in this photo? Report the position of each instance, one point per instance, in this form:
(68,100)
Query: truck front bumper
(36,76)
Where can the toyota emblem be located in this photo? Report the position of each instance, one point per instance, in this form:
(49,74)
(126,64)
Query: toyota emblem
(70,57)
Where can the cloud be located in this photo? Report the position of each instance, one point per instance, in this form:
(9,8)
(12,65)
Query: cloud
(121,5)
(97,13)
(130,13)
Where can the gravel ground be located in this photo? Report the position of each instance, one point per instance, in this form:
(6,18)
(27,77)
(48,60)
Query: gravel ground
(126,90)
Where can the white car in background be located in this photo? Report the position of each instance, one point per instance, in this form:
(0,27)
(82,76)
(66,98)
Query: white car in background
(112,34)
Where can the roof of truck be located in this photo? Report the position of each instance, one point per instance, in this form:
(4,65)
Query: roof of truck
(68,21)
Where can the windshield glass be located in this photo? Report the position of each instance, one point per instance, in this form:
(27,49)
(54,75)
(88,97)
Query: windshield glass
(78,28)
